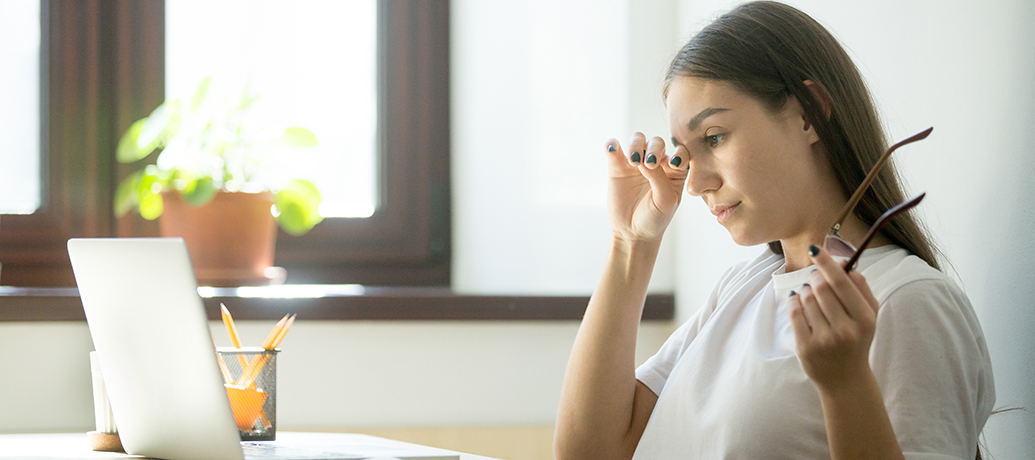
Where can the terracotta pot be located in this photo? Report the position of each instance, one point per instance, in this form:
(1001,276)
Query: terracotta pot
(231,239)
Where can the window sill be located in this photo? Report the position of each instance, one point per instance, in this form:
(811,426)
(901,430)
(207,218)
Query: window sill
(338,303)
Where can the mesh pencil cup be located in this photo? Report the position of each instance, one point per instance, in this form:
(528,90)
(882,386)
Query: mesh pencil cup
(250,379)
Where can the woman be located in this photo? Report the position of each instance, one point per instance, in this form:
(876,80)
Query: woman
(791,357)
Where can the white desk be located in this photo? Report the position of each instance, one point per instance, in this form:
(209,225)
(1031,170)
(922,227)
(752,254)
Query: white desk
(74,445)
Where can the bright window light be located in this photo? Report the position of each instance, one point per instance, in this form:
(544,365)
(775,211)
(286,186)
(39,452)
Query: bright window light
(313,63)
(20,109)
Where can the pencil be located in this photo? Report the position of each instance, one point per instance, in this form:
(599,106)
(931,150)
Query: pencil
(252,368)
(231,329)
(275,332)
(283,332)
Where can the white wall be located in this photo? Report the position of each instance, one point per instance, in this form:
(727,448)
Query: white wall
(968,69)
(538,87)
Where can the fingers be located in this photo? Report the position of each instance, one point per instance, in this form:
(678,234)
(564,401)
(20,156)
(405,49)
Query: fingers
(637,149)
(655,154)
(802,331)
(828,302)
(617,163)
(836,287)
(666,175)
(678,163)
(818,322)
(864,288)
(665,197)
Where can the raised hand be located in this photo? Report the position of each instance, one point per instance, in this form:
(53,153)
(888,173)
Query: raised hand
(834,319)
(645,187)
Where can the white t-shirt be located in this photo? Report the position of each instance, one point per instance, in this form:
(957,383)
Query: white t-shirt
(730,384)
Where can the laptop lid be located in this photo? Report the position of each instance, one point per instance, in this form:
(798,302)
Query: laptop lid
(152,338)
(155,349)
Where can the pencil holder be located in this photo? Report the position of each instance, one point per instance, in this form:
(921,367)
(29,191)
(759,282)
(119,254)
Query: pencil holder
(250,379)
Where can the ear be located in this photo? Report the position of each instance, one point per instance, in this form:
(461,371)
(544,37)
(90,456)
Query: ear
(820,94)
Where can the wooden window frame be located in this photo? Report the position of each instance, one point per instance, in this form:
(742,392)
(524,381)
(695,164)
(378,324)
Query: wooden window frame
(103,67)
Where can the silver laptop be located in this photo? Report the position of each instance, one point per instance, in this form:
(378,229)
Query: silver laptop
(155,349)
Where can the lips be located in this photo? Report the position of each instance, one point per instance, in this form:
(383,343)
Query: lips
(724,212)
(718,210)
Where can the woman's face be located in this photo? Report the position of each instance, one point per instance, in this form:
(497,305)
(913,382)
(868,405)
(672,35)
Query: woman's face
(766,166)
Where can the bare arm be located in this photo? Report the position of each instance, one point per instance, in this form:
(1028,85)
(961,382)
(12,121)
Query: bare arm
(857,423)
(604,409)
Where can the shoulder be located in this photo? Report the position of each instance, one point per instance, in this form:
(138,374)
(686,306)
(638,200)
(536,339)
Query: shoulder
(899,273)
(909,290)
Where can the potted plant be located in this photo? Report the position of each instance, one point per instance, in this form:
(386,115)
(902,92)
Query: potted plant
(217,182)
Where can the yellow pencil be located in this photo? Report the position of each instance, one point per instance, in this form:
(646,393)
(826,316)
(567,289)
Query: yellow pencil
(231,329)
(275,332)
(283,332)
(252,369)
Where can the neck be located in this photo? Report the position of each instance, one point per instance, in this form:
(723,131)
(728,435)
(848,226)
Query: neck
(796,249)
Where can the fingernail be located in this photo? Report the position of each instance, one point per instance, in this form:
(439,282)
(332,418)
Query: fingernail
(803,286)
(635,157)
(651,159)
(792,294)
(610,148)
(813,250)
(676,161)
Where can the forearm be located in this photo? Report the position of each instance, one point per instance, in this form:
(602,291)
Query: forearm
(857,422)
(597,398)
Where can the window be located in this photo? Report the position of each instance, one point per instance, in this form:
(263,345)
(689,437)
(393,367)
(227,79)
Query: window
(311,63)
(104,67)
(19,114)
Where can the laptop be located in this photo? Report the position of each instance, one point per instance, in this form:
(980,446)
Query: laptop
(153,341)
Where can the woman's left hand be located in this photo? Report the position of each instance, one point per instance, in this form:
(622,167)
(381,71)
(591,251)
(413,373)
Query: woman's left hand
(834,318)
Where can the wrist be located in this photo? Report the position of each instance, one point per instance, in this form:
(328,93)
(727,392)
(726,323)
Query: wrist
(853,386)
(633,259)
(634,246)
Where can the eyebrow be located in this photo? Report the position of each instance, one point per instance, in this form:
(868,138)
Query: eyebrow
(695,122)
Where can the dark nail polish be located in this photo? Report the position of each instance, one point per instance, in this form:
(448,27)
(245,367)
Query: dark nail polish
(792,294)
(803,286)
(610,148)
(651,159)
(635,157)
(676,161)
(813,250)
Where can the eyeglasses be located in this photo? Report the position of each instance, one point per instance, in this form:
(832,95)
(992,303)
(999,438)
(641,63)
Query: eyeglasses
(834,243)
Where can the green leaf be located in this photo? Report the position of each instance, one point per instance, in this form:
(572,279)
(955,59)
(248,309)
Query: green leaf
(200,94)
(247,99)
(157,125)
(127,196)
(199,192)
(298,137)
(298,205)
(128,151)
(151,206)
(152,183)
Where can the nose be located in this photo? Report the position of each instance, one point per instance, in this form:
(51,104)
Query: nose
(702,177)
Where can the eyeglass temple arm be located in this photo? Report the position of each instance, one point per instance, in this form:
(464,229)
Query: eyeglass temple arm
(901,207)
(854,200)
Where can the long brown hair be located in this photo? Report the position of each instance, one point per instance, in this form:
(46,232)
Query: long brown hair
(767,50)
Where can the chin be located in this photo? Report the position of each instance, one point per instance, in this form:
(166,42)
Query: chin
(745,239)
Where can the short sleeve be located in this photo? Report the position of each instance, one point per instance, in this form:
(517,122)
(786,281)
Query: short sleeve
(932,365)
(655,370)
